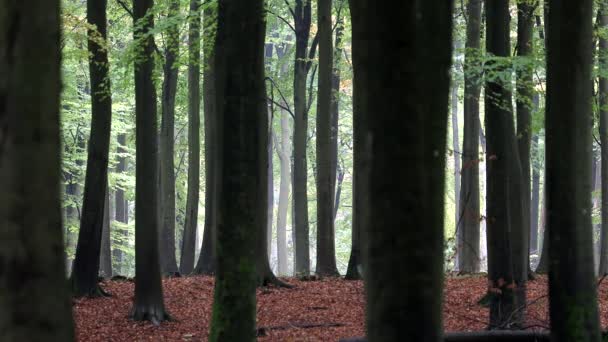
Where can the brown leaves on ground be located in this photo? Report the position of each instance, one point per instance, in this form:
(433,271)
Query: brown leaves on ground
(325,310)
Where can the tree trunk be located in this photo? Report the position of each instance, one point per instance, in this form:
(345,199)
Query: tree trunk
(86,262)
(105,266)
(335,116)
(122,208)
(302,20)
(603,113)
(284,152)
(469,216)
(194,140)
(213,148)
(269,188)
(534,214)
(455,148)
(326,250)
(167,145)
(406,211)
(148,302)
(34,302)
(73,192)
(572,285)
(505,234)
(525,93)
(240,90)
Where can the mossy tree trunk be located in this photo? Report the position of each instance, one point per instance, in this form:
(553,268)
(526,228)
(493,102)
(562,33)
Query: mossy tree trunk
(572,285)
(406,136)
(34,300)
(241,102)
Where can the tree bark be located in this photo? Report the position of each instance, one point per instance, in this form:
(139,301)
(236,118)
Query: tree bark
(469,214)
(524,103)
(240,98)
(148,302)
(506,237)
(407,212)
(326,250)
(194,140)
(167,145)
(603,130)
(302,21)
(86,261)
(572,285)
(455,147)
(121,207)
(284,152)
(105,257)
(34,299)
(335,114)
(213,148)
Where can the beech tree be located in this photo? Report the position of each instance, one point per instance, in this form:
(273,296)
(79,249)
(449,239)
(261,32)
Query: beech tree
(239,81)
(572,286)
(86,263)
(34,296)
(148,302)
(167,139)
(326,251)
(406,132)
(468,228)
(194,144)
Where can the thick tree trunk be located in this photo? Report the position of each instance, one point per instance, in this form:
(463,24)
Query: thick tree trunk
(406,211)
(469,216)
(121,208)
(213,147)
(572,285)
(326,250)
(34,300)
(507,240)
(167,144)
(194,140)
(603,113)
(105,257)
(86,262)
(148,302)
(240,92)
(302,20)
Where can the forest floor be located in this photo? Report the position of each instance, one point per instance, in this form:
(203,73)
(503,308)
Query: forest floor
(325,310)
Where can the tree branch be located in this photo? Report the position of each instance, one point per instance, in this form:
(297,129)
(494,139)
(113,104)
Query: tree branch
(125,7)
(282,19)
(313,51)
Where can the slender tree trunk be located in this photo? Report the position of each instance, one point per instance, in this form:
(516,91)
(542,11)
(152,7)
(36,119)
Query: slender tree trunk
(603,113)
(122,207)
(469,216)
(335,115)
(572,285)
(269,189)
(148,302)
(194,140)
(86,262)
(167,145)
(406,211)
(284,156)
(455,148)
(534,214)
(213,147)
(72,190)
(34,300)
(326,250)
(240,91)
(105,266)
(525,93)
(302,20)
